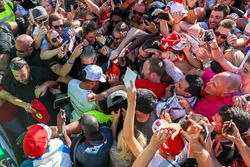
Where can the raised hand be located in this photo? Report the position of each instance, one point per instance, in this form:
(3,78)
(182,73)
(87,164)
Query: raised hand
(131,94)
(234,136)
(77,51)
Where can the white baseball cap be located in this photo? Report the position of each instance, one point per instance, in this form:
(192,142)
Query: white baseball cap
(94,73)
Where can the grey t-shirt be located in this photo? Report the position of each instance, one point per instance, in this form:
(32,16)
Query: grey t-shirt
(146,127)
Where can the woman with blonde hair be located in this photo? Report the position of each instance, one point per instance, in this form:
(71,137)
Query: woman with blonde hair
(120,153)
(234,56)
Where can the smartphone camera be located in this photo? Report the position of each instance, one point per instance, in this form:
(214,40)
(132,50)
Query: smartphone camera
(208,36)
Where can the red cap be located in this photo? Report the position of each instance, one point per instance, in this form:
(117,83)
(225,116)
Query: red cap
(173,147)
(180,1)
(35,142)
(174,40)
(42,115)
(114,69)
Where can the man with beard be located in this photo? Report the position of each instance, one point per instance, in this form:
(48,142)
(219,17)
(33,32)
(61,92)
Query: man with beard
(137,15)
(153,69)
(56,24)
(218,13)
(62,64)
(26,83)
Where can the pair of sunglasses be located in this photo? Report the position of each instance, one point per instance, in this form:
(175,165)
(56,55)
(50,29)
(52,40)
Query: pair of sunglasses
(42,21)
(217,33)
(58,26)
(54,40)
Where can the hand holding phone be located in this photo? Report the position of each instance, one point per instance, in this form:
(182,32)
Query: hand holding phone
(229,128)
(208,36)
(205,133)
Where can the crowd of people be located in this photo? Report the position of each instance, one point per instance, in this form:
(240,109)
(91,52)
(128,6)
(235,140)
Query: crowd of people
(95,83)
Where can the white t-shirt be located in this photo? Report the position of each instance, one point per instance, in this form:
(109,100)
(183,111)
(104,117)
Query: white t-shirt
(79,99)
(159,161)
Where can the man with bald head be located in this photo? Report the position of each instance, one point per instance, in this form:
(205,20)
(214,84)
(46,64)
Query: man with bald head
(24,48)
(92,148)
(218,92)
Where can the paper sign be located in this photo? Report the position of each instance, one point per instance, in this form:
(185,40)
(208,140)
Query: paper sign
(129,76)
(244,60)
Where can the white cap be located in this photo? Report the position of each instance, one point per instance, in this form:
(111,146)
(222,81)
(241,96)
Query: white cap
(94,73)
(176,7)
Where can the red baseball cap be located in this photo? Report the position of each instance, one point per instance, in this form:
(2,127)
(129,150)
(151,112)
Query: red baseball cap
(42,115)
(35,142)
(174,147)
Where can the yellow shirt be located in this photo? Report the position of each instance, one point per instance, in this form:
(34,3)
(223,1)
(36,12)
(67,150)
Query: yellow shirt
(8,14)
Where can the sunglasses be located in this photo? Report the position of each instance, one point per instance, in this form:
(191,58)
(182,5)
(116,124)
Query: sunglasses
(137,13)
(17,66)
(41,21)
(54,40)
(217,33)
(58,26)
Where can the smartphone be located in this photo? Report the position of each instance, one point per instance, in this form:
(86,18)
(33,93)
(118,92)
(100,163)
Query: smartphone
(164,16)
(205,133)
(168,103)
(61,102)
(208,36)
(229,128)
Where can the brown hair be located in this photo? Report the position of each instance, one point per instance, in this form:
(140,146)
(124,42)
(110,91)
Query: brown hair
(54,17)
(228,23)
(156,65)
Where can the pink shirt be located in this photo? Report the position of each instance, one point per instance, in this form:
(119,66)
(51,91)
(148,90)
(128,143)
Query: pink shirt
(208,106)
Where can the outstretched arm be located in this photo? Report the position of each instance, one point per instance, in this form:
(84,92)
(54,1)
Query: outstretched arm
(128,128)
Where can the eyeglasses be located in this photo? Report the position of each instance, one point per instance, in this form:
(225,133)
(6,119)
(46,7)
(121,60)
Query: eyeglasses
(58,26)
(41,21)
(137,13)
(223,36)
(54,40)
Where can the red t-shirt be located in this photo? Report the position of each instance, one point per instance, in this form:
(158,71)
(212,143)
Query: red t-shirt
(8,111)
(157,88)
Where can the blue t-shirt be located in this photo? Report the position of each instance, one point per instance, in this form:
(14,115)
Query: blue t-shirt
(65,37)
(96,153)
